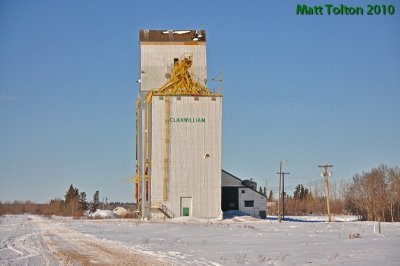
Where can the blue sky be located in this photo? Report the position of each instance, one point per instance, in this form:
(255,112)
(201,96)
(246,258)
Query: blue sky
(307,89)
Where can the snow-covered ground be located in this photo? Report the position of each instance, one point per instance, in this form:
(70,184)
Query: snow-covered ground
(237,240)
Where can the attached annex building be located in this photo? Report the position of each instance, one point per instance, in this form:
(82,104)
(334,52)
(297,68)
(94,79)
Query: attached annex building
(242,195)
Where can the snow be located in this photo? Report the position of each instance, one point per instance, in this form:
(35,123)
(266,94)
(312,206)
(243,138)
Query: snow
(120,211)
(102,214)
(317,218)
(236,240)
(20,244)
(177,32)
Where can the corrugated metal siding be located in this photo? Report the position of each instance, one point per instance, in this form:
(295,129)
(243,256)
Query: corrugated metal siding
(157,60)
(141,147)
(142,155)
(192,174)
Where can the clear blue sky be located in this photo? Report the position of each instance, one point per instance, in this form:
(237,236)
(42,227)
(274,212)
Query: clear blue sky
(307,89)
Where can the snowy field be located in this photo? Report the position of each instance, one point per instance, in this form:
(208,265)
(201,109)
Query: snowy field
(35,240)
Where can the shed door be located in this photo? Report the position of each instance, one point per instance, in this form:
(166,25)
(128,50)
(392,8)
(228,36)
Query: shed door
(185,211)
(186,206)
(229,198)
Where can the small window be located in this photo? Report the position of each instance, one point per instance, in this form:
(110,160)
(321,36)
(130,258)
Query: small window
(161,98)
(213,98)
(178,98)
(249,203)
(196,98)
(243,191)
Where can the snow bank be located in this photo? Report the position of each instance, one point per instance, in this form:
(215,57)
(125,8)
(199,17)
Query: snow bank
(190,220)
(120,211)
(316,218)
(238,216)
(102,214)
(345,218)
(233,213)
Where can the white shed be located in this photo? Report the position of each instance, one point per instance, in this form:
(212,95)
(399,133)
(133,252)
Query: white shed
(238,196)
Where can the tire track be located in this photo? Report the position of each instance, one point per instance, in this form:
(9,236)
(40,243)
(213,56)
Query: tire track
(72,247)
(26,247)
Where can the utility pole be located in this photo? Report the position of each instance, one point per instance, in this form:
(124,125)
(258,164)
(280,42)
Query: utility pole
(281,176)
(279,193)
(266,196)
(326,173)
(283,194)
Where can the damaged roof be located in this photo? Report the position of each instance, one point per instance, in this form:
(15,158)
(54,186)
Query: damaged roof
(172,35)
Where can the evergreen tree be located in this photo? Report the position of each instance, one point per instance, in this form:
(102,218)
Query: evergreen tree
(270,196)
(260,190)
(71,203)
(265,191)
(83,204)
(297,192)
(71,195)
(302,193)
(96,201)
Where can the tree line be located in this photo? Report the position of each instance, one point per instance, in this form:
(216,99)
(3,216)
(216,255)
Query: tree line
(310,201)
(372,195)
(73,204)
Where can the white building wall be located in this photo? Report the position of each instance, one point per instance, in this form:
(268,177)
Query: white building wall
(260,201)
(144,206)
(192,174)
(157,60)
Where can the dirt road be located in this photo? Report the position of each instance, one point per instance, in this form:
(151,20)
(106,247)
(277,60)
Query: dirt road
(40,241)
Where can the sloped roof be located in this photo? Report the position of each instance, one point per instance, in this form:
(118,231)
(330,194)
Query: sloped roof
(242,182)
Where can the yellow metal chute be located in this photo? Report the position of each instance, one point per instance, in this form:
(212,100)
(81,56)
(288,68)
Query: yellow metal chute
(181,82)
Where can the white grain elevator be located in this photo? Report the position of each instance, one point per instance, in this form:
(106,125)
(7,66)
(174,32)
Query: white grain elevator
(178,128)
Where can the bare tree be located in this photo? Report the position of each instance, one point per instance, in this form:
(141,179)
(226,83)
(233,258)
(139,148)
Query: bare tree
(375,194)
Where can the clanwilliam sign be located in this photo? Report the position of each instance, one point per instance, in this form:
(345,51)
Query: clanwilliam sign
(187,119)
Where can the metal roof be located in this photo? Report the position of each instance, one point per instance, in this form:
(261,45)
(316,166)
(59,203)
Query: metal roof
(244,185)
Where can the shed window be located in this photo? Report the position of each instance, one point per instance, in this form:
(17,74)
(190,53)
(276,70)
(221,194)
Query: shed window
(243,191)
(249,203)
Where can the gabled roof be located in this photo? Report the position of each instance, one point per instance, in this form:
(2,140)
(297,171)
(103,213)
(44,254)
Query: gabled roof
(226,172)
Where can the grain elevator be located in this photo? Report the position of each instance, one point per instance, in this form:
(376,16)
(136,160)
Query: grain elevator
(178,128)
